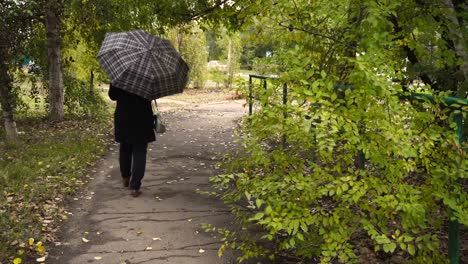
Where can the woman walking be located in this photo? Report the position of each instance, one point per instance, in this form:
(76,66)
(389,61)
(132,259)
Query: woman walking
(133,129)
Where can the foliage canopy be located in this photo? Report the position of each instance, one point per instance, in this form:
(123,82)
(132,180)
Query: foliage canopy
(314,196)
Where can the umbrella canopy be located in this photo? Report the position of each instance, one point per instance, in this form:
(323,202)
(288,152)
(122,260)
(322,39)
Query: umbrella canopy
(143,64)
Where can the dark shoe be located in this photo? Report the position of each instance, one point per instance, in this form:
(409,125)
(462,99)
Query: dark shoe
(126,181)
(135,193)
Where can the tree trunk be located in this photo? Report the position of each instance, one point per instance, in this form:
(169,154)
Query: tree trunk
(52,23)
(180,38)
(459,41)
(229,66)
(91,80)
(6,100)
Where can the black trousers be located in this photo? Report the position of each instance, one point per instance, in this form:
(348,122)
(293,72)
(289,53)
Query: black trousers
(132,161)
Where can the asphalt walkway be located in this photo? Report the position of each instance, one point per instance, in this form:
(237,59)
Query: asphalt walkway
(163,225)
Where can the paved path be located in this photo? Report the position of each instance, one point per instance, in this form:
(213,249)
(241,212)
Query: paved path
(164,224)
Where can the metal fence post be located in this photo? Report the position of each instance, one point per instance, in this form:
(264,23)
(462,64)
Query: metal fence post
(454,226)
(250,95)
(285,114)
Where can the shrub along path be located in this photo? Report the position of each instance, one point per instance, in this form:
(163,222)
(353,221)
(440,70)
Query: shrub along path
(163,225)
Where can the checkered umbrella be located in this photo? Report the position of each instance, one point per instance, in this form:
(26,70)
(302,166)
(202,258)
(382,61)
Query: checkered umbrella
(143,64)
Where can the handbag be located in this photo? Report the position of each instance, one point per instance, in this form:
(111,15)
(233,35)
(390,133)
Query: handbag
(158,124)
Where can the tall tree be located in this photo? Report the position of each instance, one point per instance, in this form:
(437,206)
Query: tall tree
(233,49)
(53,21)
(190,41)
(15,26)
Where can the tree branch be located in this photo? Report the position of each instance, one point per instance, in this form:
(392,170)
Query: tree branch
(291,28)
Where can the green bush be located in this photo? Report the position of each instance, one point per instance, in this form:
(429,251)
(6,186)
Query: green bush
(313,200)
(80,99)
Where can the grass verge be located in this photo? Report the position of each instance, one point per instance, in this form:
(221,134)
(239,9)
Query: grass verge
(38,173)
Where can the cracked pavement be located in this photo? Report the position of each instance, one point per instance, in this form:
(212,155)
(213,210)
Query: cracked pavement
(163,225)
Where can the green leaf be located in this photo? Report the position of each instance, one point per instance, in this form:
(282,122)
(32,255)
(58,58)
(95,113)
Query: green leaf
(411,249)
(247,195)
(258,203)
(389,248)
(323,74)
(403,246)
(292,242)
(257,216)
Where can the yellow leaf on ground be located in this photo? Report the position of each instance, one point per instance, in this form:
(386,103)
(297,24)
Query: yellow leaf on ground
(40,248)
(85,240)
(17,261)
(31,242)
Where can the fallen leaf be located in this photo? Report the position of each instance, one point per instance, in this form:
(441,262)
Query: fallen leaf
(98,258)
(41,259)
(156,238)
(31,242)
(201,251)
(17,261)
(149,248)
(85,240)
(40,248)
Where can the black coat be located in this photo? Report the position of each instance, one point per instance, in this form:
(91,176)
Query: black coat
(133,118)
